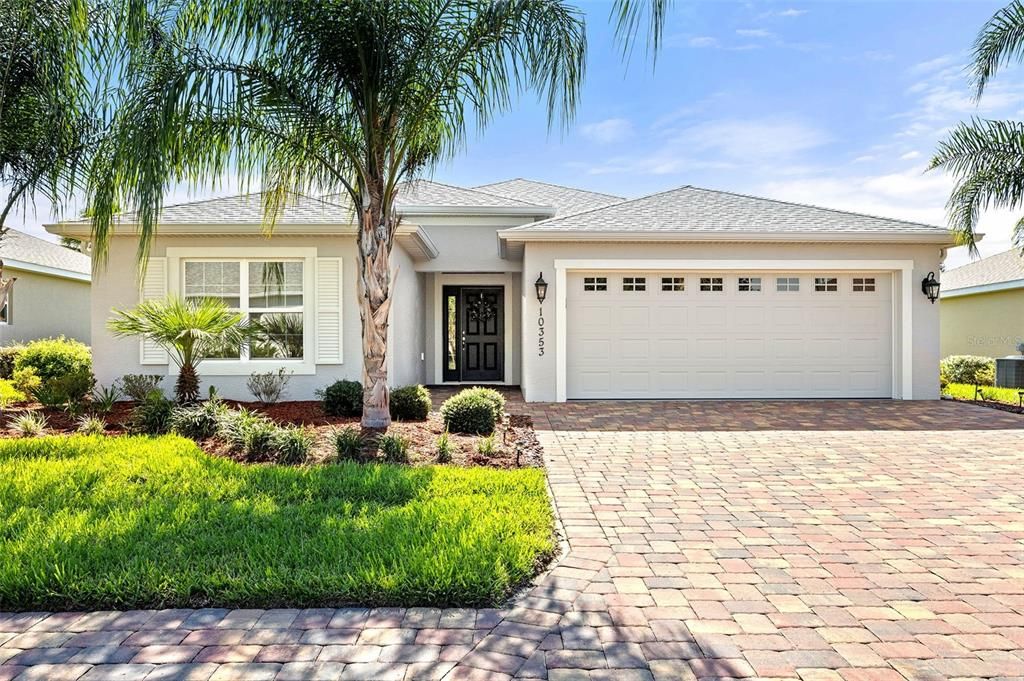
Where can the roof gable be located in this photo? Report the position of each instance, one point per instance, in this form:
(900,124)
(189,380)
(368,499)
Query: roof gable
(691,209)
(18,247)
(565,200)
(995,269)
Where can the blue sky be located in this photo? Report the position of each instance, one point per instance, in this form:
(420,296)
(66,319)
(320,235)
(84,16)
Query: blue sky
(833,103)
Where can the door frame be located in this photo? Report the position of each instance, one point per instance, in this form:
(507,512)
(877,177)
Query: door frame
(456,289)
(902,300)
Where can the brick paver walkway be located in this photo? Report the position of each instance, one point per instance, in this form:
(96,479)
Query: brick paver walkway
(818,540)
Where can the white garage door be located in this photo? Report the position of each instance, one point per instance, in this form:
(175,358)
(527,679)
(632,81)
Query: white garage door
(728,335)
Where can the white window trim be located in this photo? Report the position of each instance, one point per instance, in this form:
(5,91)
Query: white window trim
(902,300)
(176,258)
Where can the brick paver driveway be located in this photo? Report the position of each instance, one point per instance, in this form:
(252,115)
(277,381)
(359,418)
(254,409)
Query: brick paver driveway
(818,540)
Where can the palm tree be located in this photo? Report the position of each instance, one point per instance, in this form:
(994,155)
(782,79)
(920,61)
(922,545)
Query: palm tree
(987,156)
(189,330)
(45,129)
(322,96)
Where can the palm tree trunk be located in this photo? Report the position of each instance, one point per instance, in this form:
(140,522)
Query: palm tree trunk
(375,232)
(186,389)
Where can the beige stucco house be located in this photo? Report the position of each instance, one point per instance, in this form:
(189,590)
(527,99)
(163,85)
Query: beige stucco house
(983,306)
(689,293)
(51,295)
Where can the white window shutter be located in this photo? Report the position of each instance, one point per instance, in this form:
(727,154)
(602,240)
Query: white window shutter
(328,310)
(154,287)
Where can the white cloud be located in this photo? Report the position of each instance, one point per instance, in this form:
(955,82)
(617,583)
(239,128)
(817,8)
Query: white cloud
(754,33)
(865,158)
(791,12)
(703,41)
(608,131)
(910,155)
(753,139)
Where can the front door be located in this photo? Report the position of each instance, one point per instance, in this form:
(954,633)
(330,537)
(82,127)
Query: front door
(474,321)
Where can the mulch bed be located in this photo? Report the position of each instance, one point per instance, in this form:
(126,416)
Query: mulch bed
(516,443)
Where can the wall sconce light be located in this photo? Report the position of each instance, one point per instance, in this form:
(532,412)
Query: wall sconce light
(930,287)
(542,288)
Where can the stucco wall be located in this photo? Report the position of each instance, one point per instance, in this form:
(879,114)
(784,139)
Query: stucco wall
(406,331)
(989,324)
(116,286)
(539,372)
(468,244)
(46,306)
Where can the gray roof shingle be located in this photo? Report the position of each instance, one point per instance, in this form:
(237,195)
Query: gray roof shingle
(693,209)
(995,269)
(565,200)
(15,245)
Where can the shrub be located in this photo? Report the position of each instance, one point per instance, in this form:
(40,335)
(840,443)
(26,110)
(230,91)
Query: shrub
(444,448)
(247,432)
(32,424)
(152,415)
(199,421)
(9,394)
(64,391)
(26,380)
(342,398)
(394,448)
(138,386)
(55,357)
(8,354)
(292,444)
(411,403)
(348,443)
(270,386)
(970,369)
(470,411)
(496,399)
(485,446)
(103,398)
(90,425)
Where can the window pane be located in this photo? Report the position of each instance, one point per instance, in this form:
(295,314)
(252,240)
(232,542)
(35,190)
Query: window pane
(275,284)
(595,283)
(220,280)
(224,351)
(451,313)
(278,335)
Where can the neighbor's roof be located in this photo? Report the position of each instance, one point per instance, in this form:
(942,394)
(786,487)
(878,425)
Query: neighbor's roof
(1003,270)
(565,200)
(697,211)
(24,251)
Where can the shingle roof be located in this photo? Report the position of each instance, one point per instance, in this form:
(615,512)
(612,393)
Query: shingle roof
(565,200)
(18,246)
(995,269)
(423,193)
(693,209)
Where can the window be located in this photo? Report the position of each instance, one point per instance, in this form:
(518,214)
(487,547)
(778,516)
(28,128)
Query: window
(865,284)
(673,283)
(634,283)
(826,284)
(268,293)
(710,283)
(595,283)
(5,309)
(787,284)
(750,284)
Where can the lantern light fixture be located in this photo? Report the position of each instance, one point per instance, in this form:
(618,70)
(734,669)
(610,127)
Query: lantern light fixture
(930,287)
(542,288)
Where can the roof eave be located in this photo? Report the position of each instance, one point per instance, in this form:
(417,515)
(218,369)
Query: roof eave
(983,288)
(531,211)
(520,234)
(35,268)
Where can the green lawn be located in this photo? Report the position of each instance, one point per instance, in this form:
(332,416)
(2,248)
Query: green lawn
(963,391)
(136,522)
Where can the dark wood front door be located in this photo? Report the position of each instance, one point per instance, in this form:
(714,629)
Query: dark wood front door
(474,324)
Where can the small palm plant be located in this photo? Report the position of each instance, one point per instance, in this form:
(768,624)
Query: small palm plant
(189,330)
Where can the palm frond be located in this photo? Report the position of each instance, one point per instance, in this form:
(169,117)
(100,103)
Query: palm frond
(635,18)
(1000,42)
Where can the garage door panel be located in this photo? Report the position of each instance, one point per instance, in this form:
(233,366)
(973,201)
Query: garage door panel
(729,343)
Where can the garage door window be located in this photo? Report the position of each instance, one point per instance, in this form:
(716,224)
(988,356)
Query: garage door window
(595,283)
(826,284)
(787,284)
(863,285)
(750,284)
(673,283)
(710,284)
(634,283)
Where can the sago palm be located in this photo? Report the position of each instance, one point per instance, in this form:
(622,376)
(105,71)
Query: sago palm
(189,330)
(325,96)
(987,156)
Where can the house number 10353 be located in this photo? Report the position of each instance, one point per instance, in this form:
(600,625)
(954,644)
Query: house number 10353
(540,332)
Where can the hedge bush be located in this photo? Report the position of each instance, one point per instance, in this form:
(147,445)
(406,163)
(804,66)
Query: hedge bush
(55,357)
(342,398)
(470,411)
(971,369)
(411,403)
(8,354)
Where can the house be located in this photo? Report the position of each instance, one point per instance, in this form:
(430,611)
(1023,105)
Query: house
(983,306)
(688,293)
(51,294)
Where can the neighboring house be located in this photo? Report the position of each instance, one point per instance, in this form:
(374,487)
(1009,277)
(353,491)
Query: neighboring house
(983,306)
(689,293)
(51,294)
